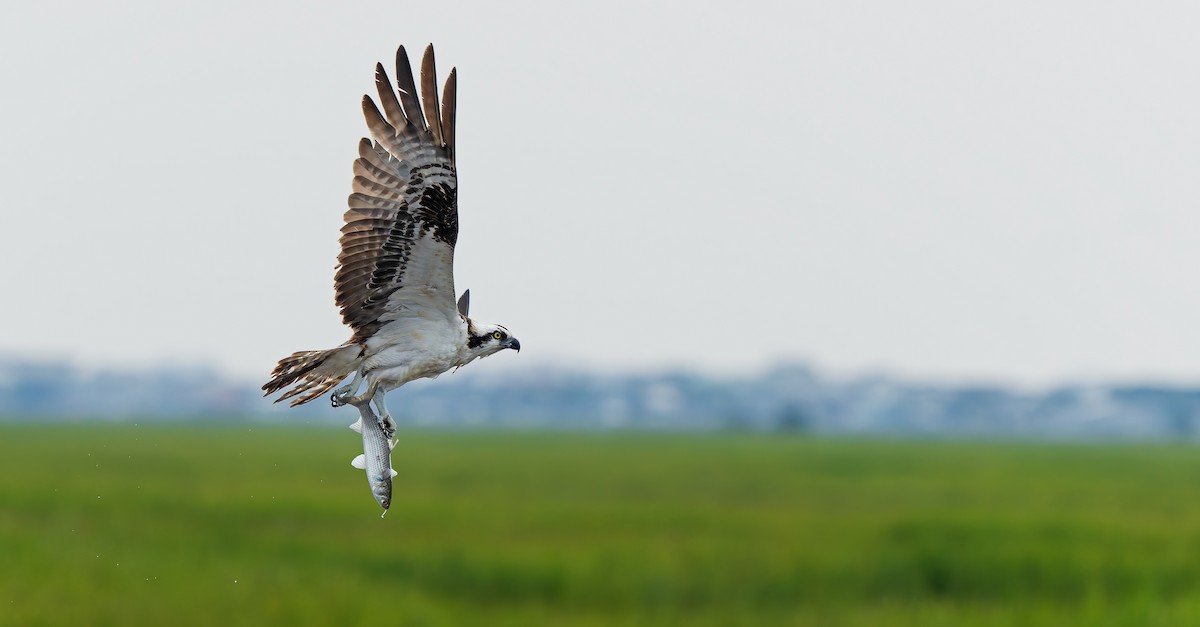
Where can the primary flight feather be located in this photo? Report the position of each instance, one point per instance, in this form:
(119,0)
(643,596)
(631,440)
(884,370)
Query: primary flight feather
(394,281)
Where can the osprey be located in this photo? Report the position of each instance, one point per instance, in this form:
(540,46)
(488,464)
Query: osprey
(394,280)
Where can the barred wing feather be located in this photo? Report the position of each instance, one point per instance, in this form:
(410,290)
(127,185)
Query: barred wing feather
(398,239)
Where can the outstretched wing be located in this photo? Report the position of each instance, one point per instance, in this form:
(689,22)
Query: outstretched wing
(397,255)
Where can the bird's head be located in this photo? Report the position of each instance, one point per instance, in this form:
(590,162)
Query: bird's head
(483,339)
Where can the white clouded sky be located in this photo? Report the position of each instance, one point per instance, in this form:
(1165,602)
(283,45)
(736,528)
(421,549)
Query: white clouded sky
(940,189)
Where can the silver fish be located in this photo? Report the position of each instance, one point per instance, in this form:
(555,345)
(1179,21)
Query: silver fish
(377,456)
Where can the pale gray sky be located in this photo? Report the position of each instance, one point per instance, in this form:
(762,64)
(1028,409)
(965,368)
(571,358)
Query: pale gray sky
(940,189)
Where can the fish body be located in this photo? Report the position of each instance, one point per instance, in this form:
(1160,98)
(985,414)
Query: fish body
(376,458)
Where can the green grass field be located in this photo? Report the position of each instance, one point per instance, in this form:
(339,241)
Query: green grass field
(253,525)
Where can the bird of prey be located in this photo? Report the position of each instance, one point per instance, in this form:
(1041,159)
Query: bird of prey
(394,280)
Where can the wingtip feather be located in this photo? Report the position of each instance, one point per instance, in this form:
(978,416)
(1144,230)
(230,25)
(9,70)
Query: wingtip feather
(387,97)
(408,89)
(449,104)
(429,95)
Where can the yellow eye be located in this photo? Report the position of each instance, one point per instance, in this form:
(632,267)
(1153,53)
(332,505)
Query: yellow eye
(498,335)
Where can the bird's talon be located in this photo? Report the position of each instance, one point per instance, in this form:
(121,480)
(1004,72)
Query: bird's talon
(387,425)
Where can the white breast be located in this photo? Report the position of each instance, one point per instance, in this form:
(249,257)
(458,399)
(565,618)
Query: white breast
(414,347)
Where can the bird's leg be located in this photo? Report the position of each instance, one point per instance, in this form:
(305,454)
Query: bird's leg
(385,419)
(341,396)
(365,397)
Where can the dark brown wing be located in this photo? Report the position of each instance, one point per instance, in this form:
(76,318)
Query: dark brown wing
(398,240)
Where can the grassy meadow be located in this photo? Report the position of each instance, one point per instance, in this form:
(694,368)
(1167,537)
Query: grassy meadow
(266,525)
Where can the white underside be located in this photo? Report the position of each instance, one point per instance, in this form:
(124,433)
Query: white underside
(415,347)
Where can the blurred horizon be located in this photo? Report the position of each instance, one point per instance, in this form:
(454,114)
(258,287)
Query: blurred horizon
(790,397)
(522,365)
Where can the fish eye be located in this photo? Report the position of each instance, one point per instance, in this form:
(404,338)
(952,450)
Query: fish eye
(498,335)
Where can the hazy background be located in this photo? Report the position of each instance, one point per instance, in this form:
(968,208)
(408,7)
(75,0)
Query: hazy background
(998,191)
(727,232)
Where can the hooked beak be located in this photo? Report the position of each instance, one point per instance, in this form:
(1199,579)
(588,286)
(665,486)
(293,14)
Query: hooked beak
(513,344)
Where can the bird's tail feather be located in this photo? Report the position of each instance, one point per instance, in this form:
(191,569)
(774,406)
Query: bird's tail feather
(313,373)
